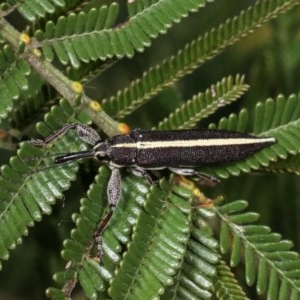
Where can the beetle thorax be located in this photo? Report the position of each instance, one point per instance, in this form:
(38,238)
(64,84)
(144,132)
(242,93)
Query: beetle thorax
(102,151)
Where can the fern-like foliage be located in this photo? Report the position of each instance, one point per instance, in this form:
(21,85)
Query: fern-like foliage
(165,240)
(269,262)
(192,56)
(28,192)
(173,256)
(85,37)
(31,9)
(138,6)
(167,251)
(82,266)
(14,73)
(290,165)
(199,267)
(226,285)
(204,104)
(27,111)
(154,254)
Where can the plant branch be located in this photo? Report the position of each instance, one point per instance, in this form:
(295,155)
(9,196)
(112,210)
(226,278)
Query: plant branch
(58,80)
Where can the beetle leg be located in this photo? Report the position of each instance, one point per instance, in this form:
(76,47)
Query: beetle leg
(114,188)
(140,172)
(84,132)
(113,196)
(205,178)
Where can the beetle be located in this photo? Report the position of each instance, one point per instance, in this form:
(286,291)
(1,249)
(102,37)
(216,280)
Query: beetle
(180,151)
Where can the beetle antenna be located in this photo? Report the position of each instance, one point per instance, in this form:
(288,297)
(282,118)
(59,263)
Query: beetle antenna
(69,157)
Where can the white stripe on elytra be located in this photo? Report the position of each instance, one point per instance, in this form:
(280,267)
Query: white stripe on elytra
(195,143)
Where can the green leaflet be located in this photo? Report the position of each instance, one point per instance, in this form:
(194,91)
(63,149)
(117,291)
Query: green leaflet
(166,247)
(192,56)
(33,10)
(79,250)
(159,244)
(28,186)
(269,262)
(14,74)
(226,283)
(85,37)
(204,104)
